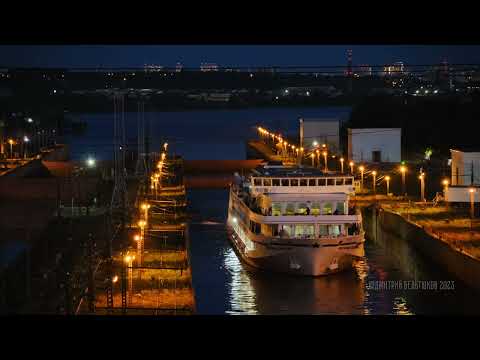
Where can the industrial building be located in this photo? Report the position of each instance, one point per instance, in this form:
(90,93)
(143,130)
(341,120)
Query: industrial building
(319,131)
(465,181)
(375,145)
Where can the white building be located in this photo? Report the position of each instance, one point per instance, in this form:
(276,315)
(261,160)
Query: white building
(321,131)
(375,145)
(465,176)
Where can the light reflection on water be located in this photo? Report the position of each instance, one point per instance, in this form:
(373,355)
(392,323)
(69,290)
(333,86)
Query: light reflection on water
(242,295)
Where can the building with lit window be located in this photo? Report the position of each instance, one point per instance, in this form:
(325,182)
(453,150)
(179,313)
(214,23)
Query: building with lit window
(465,166)
(205,67)
(364,70)
(395,69)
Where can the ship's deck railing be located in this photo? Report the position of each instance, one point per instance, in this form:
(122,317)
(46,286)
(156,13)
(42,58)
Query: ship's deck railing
(295,219)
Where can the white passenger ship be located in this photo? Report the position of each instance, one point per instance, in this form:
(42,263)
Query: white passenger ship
(295,220)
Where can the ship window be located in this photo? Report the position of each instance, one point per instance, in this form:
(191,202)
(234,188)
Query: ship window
(257,182)
(312,182)
(341,208)
(285,182)
(348,181)
(255,227)
(323,230)
(304,231)
(276,182)
(286,231)
(294,182)
(302,209)
(322,182)
(290,209)
(327,209)
(303,182)
(330,181)
(315,209)
(267,182)
(334,230)
(274,229)
(276,209)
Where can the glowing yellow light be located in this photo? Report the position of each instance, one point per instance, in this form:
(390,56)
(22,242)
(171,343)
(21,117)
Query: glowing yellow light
(361,168)
(142,223)
(445,182)
(471,190)
(324,153)
(342,159)
(11,142)
(115,279)
(403,169)
(387,177)
(313,155)
(351,163)
(136,237)
(374,172)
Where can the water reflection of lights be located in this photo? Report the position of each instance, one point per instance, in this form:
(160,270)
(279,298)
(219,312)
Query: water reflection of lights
(361,268)
(242,295)
(400,307)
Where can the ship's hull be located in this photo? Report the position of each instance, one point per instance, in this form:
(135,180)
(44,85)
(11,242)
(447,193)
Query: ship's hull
(298,260)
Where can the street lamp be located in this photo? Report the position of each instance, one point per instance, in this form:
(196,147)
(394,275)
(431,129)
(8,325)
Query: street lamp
(145,208)
(403,170)
(351,167)
(374,174)
(325,157)
(165,145)
(445,188)
(313,159)
(472,205)
(422,186)
(387,179)
(140,245)
(341,163)
(91,162)
(361,168)
(11,142)
(128,260)
(26,140)
(318,157)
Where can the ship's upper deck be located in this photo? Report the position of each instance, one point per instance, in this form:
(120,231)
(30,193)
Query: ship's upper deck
(281,179)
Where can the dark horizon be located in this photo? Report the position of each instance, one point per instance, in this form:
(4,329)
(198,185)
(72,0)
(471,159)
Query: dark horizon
(230,56)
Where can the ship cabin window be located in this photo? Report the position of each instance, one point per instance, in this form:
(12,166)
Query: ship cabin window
(294,182)
(322,182)
(286,231)
(334,230)
(257,182)
(340,208)
(348,181)
(323,230)
(341,181)
(304,231)
(290,209)
(303,182)
(315,209)
(302,209)
(312,182)
(275,182)
(267,182)
(327,209)
(285,182)
(276,209)
(330,182)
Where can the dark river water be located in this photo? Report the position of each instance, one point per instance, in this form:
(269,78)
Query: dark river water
(224,285)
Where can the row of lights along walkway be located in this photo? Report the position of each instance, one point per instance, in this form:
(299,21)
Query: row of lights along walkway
(152,274)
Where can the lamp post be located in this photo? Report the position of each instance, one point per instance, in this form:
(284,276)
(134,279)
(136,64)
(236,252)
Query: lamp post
(318,157)
(325,158)
(445,189)
(387,179)
(141,224)
(351,167)
(472,204)
(341,163)
(11,142)
(313,159)
(403,170)
(374,174)
(422,186)
(26,140)
(361,168)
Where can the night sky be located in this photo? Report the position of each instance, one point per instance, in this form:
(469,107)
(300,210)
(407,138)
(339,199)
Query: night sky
(231,55)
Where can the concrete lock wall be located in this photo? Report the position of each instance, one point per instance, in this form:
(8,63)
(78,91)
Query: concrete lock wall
(464,267)
(363,142)
(465,166)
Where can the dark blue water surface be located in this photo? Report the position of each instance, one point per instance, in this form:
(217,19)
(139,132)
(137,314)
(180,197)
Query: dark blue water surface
(196,135)
(223,285)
